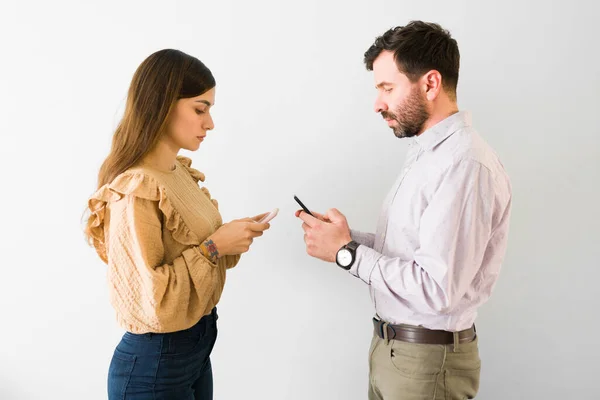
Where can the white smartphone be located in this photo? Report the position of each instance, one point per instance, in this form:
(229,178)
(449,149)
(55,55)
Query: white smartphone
(269,216)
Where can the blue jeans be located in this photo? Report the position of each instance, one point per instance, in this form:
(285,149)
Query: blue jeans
(165,365)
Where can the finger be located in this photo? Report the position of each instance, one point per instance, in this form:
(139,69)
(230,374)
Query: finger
(305,227)
(308,219)
(321,216)
(258,227)
(315,214)
(257,218)
(244,220)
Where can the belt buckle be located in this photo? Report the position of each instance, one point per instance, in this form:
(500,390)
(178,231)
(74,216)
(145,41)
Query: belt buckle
(385,332)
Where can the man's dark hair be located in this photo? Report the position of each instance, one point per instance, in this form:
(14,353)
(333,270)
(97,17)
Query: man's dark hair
(418,48)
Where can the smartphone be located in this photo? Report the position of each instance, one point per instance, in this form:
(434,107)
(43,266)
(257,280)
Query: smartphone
(269,216)
(303,206)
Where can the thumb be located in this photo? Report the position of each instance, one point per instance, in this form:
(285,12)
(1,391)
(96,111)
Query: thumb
(258,217)
(320,216)
(334,215)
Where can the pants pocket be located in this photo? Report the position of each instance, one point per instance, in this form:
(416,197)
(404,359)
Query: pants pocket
(463,372)
(119,374)
(418,361)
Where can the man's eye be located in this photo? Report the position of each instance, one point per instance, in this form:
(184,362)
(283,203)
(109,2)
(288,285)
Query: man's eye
(388,90)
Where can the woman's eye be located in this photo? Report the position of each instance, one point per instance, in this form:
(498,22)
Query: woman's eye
(199,112)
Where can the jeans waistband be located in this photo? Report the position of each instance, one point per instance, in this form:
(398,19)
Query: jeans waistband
(198,328)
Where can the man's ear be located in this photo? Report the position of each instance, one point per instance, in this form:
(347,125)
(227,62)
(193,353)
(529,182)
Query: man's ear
(432,84)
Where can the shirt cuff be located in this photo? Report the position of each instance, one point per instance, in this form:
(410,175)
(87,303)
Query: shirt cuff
(364,263)
(201,254)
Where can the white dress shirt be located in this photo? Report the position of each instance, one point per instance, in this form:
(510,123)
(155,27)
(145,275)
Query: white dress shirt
(442,232)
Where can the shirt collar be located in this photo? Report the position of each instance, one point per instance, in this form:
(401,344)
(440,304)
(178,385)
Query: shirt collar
(443,129)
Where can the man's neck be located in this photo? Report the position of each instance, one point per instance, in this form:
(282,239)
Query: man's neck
(439,115)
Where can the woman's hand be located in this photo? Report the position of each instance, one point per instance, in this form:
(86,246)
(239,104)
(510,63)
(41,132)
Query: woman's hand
(235,237)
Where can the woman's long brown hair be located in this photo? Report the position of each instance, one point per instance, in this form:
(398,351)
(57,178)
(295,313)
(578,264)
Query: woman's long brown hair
(161,79)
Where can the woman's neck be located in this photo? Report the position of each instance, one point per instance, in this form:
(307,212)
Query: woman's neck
(162,157)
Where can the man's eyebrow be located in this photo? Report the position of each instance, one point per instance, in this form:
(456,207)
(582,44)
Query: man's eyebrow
(381,84)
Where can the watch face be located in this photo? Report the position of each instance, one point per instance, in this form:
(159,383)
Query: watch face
(344,257)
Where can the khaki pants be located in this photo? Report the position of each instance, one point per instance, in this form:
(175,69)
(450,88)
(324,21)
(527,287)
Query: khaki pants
(409,371)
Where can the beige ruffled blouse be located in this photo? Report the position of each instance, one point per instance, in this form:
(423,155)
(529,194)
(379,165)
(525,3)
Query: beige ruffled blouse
(147,226)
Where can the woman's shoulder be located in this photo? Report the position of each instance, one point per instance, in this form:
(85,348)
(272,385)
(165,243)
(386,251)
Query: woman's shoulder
(135,181)
(141,188)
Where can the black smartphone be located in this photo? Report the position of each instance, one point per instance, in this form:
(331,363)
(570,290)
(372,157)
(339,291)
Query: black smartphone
(303,206)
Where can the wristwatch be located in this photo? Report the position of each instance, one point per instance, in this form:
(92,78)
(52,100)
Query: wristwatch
(346,255)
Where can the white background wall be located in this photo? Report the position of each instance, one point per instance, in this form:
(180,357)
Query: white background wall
(294,116)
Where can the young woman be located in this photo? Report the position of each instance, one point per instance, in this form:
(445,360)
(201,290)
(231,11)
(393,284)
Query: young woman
(162,235)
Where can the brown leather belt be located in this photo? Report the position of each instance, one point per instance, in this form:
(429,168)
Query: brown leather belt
(418,334)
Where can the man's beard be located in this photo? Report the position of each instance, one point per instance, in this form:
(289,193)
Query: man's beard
(410,116)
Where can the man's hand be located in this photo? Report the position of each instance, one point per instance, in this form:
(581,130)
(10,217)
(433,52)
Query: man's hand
(325,234)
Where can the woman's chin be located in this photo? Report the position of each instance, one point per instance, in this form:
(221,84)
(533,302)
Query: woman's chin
(192,147)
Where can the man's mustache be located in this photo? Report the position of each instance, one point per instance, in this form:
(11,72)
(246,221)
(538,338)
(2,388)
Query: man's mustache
(388,115)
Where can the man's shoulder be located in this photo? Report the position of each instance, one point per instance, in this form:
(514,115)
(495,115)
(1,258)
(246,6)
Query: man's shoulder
(468,144)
